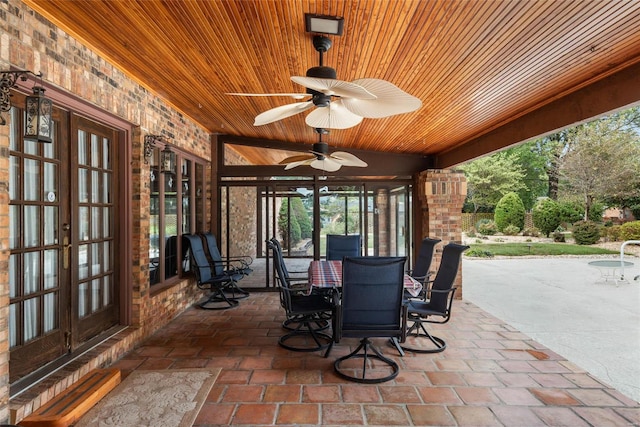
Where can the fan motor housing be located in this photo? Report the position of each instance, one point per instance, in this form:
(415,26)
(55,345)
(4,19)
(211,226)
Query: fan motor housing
(321,149)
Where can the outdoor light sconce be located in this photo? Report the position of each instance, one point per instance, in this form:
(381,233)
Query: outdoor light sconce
(323,24)
(38,124)
(167,157)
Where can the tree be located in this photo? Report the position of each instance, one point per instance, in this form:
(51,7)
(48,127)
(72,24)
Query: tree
(602,162)
(546,216)
(534,164)
(491,177)
(509,211)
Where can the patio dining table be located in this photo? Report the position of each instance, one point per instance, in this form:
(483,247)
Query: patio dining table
(328,274)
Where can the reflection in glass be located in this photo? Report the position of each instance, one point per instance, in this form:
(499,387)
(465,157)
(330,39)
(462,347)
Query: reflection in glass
(106,153)
(106,222)
(82,299)
(95,222)
(95,151)
(83,266)
(50,225)
(95,187)
(14,226)
(14,178)
(106,291)
(49,149)
(31,226)
(30,318)
(50,268)
(31,179)
(83,226)
(82,147)
(96,266)
(50,182)
(83,195)
(106,187)
(50,315)
(13,275)
(106,256)
(13,321)
(95,295)
(31,272)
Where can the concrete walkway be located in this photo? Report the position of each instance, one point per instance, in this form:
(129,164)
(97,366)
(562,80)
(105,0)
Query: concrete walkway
(564,304)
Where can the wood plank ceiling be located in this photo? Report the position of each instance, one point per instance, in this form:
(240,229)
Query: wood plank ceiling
(476,65)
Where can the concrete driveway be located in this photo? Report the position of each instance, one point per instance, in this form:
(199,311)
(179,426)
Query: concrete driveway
(564,304)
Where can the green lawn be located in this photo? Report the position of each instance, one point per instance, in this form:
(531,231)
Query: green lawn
(525,249)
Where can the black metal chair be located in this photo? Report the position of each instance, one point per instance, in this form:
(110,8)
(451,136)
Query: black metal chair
(239,265)
(213,277)
(340,246)
(303,309)
(436,307)
(371,306)
(421,271)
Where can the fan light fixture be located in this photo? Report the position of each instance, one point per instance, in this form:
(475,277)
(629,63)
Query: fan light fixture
(38,109)
(323,24)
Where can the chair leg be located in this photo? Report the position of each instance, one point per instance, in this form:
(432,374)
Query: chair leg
(305,330)
(418,331)
(234,289)
(220,299)
(366,345)
(321,322)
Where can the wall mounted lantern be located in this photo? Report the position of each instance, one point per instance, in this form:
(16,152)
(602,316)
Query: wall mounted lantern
(167,156)
(38,124)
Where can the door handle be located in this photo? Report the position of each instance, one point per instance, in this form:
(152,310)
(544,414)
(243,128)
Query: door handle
(66,246)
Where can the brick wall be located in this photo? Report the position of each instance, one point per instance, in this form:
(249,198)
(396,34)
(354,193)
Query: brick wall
(27,41)
(441,195)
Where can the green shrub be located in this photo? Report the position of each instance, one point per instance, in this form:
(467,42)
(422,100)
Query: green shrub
(479,253)
(570,212)
(630,231)
(487,227)
(558,235)
(533,232)
(511,230)
(471,232)
(509,211)
(546,216)
(595,212)
(612,233)
(586,232)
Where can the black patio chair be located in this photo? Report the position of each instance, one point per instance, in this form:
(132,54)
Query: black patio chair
(436,307)
(303,309)
(371,306)
(211,277)
(340,246)
(421,271)
(239,265)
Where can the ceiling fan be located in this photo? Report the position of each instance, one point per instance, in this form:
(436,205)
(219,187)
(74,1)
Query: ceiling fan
(341,104)
(320,158)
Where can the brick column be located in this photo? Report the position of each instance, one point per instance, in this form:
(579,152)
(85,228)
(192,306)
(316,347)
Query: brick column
(441,195)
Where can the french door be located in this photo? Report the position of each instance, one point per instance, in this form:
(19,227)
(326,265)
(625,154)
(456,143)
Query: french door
(62,210)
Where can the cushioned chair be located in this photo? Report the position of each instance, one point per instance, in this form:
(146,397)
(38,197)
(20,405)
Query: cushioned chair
(371,306)
(339,246)
(212,277)
(303,309)
(240,265)
(421,267)
(436,307)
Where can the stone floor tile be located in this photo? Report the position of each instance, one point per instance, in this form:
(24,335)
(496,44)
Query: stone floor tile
(233,376)
(399,394)
(321,393)
(481,379)
(223,362)
(385,415)
(475,416)
(594,397)
(214,414)
(485,365)
(583,380)
(516,396)
(256,362)
(601,417)
(554,397)
(552,380)
(510,379)
(283,393)
(452,365)
(517,416)
(156,363)
(412,377)
(430,415)
(300,376)
(631,414)
(298,414)
(476,395)
(550,366)
(243,393)
(216,392)
(184,352)
(254,414)
(517,366)
(342,414)
(360,393)
(445,378)
(267,376)
(559,417)
(441,395)
(189,363)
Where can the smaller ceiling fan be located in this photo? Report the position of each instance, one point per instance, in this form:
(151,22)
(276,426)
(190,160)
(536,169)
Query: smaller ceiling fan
(320,158)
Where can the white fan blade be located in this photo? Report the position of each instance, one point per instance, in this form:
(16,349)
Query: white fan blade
(334,87)
(326,165)
(335,116)
(292,95)
(347,159)
(300,163)
(279,113)
(391,100)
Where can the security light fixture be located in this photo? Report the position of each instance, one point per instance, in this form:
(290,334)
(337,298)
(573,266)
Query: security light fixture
(324,24)
(38,124)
